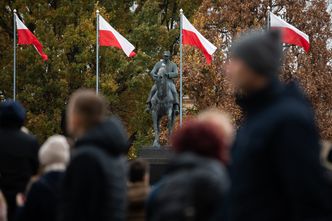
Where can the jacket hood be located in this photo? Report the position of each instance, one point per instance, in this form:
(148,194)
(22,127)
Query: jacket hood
(109,136)
(191,161)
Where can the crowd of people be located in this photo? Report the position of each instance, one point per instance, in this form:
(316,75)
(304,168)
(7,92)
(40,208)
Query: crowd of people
(273,167)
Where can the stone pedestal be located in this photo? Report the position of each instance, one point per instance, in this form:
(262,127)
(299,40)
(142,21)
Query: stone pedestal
(158,159)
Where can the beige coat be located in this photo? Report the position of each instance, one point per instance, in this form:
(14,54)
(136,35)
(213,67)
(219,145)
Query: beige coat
(137,194)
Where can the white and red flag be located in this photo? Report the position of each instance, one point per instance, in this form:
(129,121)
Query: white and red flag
(108,36)
(290,34)
(25,37)
(190,36)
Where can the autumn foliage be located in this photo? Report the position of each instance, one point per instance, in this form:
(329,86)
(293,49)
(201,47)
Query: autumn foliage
(67,30)
(221,21)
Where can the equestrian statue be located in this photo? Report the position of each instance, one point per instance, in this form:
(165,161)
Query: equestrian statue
(163,99)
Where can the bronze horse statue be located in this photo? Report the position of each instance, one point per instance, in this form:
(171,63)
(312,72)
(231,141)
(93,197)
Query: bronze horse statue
(162,105)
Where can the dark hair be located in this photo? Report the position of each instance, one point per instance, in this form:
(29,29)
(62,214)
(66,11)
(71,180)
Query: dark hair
(201,138)
(137,170)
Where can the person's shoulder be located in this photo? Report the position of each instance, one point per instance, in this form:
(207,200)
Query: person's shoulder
(86,162)
(173,64)
(201,168)
(90,155)
(27,138)
(292,108)
(213,172)
(26,135)
(159,63)
(290,111)
(87,153)
(116,121)
(38,187)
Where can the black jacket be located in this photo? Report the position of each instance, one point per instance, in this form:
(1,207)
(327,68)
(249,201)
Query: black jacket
(42,199)
(94,187)
(18,162)
(192,189)
(276,172)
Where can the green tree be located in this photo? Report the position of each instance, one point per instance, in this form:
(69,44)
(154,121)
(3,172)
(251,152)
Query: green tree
(66,28)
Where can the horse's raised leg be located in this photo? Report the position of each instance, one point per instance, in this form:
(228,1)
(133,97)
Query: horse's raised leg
(155,128)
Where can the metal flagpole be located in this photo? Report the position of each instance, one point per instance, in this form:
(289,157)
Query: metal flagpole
(181,67)
(268,18)
(14,63)
(97,53)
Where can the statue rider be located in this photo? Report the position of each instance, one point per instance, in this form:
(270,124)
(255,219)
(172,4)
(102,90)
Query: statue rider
(172,72)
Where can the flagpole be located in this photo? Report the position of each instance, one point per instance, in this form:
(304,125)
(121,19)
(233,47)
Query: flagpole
(14,63)
(181,67)
(268,18)
(97,53)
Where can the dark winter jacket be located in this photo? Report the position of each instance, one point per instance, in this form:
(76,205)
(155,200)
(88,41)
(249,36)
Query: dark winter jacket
(94,187)
(18,162)
(43,199)
(192,189)
(137,194)
(275,171)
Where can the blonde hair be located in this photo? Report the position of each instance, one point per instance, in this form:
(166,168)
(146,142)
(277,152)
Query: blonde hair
(54,153)
(221,120)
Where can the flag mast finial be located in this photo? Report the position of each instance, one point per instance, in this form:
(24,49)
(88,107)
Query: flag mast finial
(268,17)
(181,66)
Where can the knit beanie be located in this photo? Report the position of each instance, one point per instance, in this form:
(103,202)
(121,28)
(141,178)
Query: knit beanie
(260,50)
(12,114)
(55,151)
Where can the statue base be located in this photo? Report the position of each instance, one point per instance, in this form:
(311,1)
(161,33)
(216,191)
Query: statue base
(158,159)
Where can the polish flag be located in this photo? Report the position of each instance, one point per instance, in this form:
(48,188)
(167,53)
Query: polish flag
(108,36)
(290,34)
(191,36)
(25,37)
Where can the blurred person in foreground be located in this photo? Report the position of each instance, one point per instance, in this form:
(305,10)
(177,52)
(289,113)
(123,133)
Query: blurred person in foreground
(94,187)
(18,153)
(326,158)
(42,199)
(196,181)
(275,172)
(224,126)
(3,208)
(138,189)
